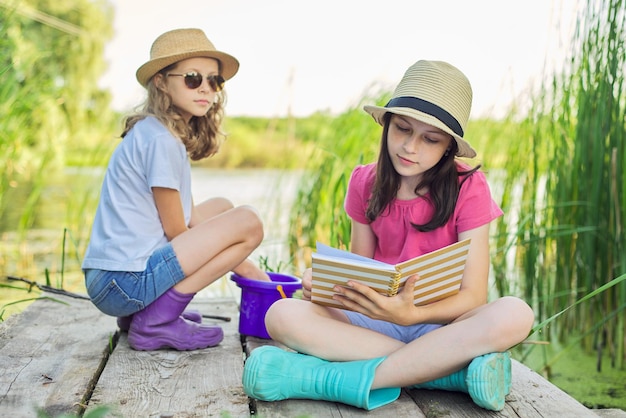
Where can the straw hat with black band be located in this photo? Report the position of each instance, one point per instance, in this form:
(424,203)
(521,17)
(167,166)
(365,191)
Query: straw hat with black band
(436,93)
(180,44)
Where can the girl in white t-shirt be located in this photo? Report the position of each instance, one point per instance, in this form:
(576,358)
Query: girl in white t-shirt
(151,249)
(415,199)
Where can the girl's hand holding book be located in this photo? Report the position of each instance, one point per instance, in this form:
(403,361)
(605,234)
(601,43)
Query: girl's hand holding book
(363,299)
(307,283)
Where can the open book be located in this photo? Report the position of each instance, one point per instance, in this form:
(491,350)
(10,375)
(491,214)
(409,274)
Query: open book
(440,273)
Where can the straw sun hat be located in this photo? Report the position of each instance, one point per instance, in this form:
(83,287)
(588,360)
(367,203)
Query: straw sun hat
(436,93)
(180,44)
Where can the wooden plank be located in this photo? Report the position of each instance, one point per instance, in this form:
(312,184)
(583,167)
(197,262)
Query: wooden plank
(531,397)
(50,355)
(403,407)
(169,383)
(534,396)
(610,413)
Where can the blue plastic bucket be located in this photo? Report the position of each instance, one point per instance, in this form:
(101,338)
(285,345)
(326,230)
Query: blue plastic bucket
(257,297)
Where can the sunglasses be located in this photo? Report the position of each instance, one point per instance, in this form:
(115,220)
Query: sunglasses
(193,80)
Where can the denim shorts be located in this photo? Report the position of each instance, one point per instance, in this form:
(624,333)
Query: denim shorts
(122,293)
(406,334)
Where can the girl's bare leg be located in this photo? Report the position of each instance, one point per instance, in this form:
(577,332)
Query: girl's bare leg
(324,332)
(216,246)
(312,329)
(220,238)
(215,206)
(494,327)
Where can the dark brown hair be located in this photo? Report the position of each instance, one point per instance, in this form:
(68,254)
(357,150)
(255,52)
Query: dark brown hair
(442,182)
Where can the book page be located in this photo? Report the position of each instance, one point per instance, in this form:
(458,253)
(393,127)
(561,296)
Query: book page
(347,255)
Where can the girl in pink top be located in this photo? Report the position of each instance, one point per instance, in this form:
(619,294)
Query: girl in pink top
(415,199)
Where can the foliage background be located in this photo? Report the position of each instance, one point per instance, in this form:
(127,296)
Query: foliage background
(559,170)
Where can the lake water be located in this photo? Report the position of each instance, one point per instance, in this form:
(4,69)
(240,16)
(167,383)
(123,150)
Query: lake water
(271,191)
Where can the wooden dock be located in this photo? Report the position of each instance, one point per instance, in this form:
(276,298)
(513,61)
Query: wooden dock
(63,356)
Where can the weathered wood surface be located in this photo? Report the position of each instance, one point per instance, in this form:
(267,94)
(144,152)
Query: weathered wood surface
(50,356)
(58,357)
(167,383)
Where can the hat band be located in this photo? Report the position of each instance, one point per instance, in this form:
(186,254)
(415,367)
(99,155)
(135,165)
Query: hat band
(428,108)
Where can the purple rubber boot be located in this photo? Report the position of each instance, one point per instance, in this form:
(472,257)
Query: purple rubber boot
(159,325)
(123,322)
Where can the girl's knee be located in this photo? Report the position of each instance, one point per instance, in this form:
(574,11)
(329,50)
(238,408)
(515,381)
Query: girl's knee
(276,315)
(517,315)
(214,206)
(222,203)
(252,223)
(521,310)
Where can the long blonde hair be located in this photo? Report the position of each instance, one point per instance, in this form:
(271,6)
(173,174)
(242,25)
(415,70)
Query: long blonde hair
(202,136)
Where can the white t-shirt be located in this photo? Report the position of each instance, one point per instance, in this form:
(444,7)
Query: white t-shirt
(127,228)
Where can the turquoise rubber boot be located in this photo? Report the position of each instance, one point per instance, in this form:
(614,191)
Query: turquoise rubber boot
(272,374)
(487,379)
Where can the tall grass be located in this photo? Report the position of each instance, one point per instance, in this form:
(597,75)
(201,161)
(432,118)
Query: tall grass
(254,142)
(26,153)
(569,169)
(317,212)
(50,107)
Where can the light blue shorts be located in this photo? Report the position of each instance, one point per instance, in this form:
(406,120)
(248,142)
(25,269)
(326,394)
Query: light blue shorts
(406,334)
(122,293)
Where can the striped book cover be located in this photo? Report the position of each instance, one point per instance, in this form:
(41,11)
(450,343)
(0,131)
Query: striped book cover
(440,271)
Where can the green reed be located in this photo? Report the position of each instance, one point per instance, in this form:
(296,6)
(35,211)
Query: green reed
(566,188)
(52,111)
(317,213)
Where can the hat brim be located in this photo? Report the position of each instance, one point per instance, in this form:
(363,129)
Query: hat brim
(229,65)
(378,113)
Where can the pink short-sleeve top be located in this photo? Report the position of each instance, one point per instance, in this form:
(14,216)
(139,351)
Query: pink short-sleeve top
(397,239)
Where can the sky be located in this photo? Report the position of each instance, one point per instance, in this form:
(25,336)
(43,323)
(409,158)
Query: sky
(300,57)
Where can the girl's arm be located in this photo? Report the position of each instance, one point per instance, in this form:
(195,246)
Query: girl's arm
(170,211)
(363,240)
